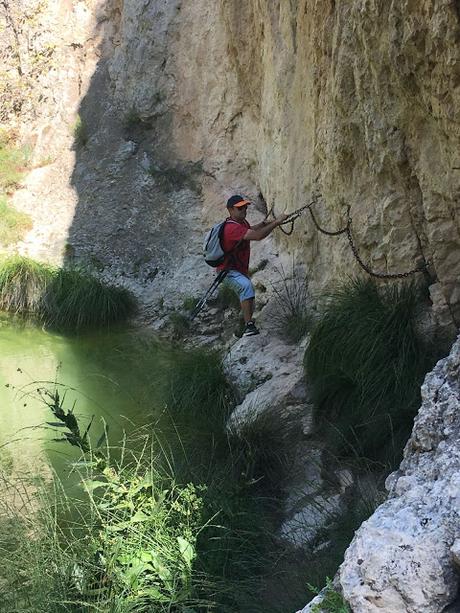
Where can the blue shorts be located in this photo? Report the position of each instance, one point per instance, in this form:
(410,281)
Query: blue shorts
(241,284)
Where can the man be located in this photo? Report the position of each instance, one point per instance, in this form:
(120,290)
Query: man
(235,241)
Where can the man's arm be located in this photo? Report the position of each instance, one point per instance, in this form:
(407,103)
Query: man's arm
(257,226)
(264,229)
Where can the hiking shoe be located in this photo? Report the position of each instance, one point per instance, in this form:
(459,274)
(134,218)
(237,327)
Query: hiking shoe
(250,329)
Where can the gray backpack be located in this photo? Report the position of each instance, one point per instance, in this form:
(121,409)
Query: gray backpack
(214,255)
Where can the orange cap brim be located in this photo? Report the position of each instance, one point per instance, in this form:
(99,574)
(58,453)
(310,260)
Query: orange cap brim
(242,203)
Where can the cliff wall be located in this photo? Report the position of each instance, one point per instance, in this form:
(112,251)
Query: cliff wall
(185,102)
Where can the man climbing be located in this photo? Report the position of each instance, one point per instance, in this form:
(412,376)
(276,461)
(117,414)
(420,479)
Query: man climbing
(235,241)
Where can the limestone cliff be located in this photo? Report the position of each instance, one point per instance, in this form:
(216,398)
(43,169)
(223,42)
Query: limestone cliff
(145,115)
(405,557)
(184,102)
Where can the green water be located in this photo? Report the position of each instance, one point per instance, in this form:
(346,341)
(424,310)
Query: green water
(100,378)
(114,377)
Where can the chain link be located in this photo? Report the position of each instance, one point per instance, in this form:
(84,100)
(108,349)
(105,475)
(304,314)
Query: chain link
(347,230)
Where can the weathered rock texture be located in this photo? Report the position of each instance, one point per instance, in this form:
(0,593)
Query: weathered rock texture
(403,559)
(185,102)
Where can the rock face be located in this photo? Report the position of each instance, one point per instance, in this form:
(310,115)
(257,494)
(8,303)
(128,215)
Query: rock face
(185,102)
(404,558)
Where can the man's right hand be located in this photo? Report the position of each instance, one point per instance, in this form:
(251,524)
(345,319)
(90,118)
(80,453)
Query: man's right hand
(281,219)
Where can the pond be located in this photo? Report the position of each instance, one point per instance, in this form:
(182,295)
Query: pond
(97,374)
(119,378)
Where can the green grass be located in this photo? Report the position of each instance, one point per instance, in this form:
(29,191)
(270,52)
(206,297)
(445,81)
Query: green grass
(291,316)
(13,223)
(23,285)
(365,362)
(227,297)
(332,602)
(80,132)
(13,162)
(179,323)
(192,385)
(62,299)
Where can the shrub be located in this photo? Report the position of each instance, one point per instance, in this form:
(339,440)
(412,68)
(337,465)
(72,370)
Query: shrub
(366,361)
(130,543)
(60,298)
(176,178)
(189,303)
(132,119)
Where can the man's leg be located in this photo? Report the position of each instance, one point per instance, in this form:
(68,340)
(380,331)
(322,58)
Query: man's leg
(242,285)
(247,306)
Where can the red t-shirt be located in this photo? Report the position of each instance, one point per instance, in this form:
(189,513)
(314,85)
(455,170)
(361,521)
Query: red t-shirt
(238,259)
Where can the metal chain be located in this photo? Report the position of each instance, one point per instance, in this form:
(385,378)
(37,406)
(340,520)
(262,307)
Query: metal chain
(379,275)
(347,230)
(294,215)
(327,232)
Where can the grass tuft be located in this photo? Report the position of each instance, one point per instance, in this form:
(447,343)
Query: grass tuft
(13,162)
(180,324)
(366,361)
(60,298)
(23,285)
(13,223)
(291,316)
(80,133)
(227,297)
(193,386)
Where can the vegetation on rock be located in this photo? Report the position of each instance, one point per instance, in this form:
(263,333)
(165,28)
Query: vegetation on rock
(64,299)
(366,361)
(13,223)
(13,161)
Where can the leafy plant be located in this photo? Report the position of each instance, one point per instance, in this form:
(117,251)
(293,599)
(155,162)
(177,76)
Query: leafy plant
(332,602)
(366,361)
(147,536)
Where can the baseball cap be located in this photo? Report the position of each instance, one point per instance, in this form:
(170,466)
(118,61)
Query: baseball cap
(237,201)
